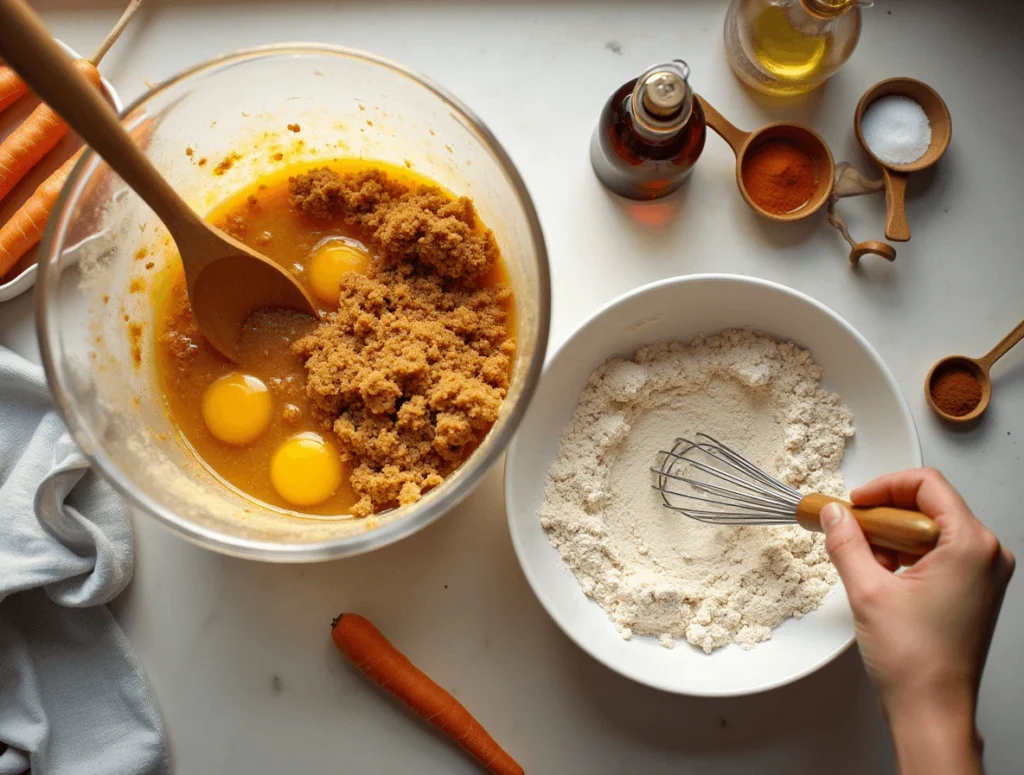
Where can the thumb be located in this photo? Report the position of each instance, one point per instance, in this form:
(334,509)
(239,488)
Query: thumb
(848,548)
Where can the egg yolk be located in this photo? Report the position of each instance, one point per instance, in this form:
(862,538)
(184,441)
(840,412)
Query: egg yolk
(329,263)
(237,408)
(305,470)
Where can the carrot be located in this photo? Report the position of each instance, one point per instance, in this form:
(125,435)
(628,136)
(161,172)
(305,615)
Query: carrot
(25,227)
(11,86)
(36,137)
(382,663)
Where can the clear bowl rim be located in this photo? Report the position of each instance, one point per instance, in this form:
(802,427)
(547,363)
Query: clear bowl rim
(432,508)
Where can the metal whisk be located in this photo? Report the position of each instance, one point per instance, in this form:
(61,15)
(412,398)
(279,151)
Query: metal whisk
(709,482)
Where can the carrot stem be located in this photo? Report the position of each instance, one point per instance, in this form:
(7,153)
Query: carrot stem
(382,663)
(12,87)
(115,33)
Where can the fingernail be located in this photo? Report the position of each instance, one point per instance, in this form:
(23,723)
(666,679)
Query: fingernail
(831,515)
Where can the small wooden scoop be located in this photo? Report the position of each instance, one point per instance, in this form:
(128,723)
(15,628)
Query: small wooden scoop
(805,138)
(979,367)
(895,175)
(226,281)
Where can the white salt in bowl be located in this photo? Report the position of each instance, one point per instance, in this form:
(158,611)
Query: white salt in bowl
(680,309)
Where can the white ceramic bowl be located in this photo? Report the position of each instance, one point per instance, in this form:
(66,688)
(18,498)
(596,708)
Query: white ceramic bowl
(680,309)
(25,279)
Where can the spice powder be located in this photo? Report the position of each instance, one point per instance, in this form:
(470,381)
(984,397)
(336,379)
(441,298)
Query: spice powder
(779,176)
(956,392)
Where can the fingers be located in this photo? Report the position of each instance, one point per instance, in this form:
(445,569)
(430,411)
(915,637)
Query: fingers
(849,551)
(915,488)
(922,489)
(1008,562)
(886,558)
(908,560)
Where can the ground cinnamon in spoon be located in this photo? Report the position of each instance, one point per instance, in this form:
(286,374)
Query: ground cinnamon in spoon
(779,176)
(956,391)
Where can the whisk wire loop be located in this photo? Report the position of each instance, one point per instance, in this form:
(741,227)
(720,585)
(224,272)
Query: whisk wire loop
(740,491)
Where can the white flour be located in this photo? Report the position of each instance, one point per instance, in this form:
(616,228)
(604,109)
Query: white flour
(655,571)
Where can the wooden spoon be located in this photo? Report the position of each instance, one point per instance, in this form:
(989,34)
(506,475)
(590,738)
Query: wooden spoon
(226,281)
(979,368)
(895,175)
(805,138)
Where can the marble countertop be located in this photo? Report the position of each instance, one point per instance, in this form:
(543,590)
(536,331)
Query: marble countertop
(239,653)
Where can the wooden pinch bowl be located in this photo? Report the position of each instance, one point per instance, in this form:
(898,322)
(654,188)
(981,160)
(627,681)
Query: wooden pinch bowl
(895,175)
(803,137)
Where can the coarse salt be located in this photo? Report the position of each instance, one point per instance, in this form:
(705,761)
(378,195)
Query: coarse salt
(896,129)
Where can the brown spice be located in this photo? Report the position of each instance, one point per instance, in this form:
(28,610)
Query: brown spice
(411,371)
(956,391)
(294,128)
(225,164)
(135,331)
(779,176)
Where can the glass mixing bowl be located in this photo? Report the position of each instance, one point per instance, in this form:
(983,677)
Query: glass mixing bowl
(211,131)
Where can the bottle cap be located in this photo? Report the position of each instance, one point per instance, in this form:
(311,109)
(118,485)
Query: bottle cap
(662,98)
(664,93)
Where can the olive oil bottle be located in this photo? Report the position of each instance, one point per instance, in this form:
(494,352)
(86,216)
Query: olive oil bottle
(789,47)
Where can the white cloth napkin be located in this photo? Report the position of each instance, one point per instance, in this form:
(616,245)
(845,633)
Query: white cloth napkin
(73,698)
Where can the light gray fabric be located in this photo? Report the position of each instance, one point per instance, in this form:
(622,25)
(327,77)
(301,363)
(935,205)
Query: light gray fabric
(73,698)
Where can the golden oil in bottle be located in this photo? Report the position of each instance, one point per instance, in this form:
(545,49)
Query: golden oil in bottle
(790,46)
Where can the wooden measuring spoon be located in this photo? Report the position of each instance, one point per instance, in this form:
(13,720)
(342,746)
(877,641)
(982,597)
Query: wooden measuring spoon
(803,137)
(979,368)
(895,175)
(226,281)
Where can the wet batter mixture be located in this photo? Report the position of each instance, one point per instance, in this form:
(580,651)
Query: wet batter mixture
(386,396)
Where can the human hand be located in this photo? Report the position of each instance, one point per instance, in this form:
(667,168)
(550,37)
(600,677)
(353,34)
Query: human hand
(923,634)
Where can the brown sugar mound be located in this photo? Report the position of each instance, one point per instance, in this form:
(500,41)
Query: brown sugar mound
(411,371)
(423,225)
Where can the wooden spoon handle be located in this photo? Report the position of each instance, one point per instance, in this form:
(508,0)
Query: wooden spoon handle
(733,136)
(896,226)
(29,49)
(1002,348)
(901,530)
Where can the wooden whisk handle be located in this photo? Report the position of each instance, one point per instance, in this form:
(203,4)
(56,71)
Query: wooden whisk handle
(901,530)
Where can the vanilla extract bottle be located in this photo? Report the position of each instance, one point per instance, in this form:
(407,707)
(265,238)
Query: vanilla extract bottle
(650,134)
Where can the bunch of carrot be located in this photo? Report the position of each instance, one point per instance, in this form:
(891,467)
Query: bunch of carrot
(28,144)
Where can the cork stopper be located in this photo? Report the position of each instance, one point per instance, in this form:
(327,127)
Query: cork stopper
(831,9)
(662,98)
(664,93)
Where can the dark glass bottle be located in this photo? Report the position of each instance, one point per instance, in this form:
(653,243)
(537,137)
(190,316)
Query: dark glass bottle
(650,134)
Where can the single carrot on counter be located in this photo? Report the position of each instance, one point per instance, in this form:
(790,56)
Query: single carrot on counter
(11,86)
(25,227)
(36,137)
(380,661)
